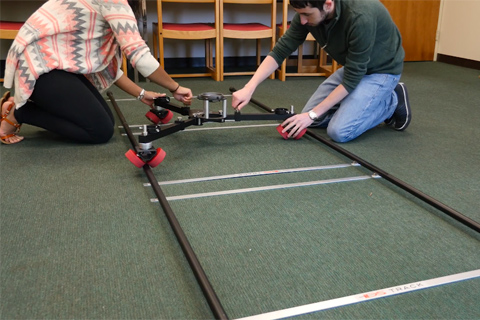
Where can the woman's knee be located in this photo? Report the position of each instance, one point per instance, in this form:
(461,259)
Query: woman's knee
(102,135)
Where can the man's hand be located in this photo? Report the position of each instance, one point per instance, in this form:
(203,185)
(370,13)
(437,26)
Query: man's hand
(296,124)
(241,97)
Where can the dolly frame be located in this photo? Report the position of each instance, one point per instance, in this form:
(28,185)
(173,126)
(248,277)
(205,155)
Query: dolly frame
(205,285)
(199,117)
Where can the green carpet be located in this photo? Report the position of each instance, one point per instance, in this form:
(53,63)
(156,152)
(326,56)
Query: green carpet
(80,238)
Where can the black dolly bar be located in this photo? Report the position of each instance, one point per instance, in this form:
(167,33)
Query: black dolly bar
(403,185)
(166,130)
(255,116)
(157,132)
(410,189)
(207,289)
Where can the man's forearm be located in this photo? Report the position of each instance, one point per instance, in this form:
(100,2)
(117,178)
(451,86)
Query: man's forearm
(266,68)
(334,98)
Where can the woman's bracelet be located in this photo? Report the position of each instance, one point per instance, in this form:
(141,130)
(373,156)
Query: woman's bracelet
(141,95)
(173,91)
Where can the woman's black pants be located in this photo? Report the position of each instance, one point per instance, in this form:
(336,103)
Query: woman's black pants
(69,105)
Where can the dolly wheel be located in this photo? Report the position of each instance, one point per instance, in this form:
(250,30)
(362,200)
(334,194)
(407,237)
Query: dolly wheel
(167,118)
(158,158)
(152,117)
(301,134)
(132,156)
(285,134)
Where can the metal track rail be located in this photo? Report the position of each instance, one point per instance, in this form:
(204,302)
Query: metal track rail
(192,259)
(399,183)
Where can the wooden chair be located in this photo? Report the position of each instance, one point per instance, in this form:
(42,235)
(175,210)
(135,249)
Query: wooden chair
(8,31)
(124,65)
(189,31)
(252,30)
(317,65)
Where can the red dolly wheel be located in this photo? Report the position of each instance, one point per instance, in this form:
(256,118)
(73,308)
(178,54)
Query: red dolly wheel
(167,118)
(152,117)
(300,134)
(158,158)
(285,134)
(132,156)
(156,116)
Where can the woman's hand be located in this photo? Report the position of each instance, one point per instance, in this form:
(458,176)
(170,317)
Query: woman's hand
(149,96)
(183,95)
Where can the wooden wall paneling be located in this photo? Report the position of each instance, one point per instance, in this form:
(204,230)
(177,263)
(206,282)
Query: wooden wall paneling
(417,21)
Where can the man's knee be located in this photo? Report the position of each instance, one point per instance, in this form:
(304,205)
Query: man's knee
(339,135)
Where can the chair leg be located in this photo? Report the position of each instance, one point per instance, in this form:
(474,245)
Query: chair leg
(124,64)
(161,57)
(335,66)
(218,56)
(283,70)
(155,41)
(300,59)
(209,62)
(316,53)
(327,68)
(259,51)
(259,57)
(221,60)
(208,54)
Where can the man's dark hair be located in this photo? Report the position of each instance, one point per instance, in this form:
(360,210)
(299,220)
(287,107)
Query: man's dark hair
(300,4)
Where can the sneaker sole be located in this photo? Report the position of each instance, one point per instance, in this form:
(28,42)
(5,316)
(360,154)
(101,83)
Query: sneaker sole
(407,107)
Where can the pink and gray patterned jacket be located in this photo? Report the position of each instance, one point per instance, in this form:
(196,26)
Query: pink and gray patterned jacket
(78,36)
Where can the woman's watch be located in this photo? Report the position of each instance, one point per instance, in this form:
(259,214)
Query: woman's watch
(312,115)
(141,95)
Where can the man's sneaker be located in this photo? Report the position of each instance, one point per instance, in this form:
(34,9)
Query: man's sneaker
(403,113)
(390,121)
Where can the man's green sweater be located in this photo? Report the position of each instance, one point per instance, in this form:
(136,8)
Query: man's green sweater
(362,37)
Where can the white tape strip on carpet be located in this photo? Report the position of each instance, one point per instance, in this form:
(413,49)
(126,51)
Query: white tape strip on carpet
(253,174)
(255,189)
(366,296)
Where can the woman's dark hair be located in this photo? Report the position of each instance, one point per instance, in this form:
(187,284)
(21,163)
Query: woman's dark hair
(135,5)
(300,4)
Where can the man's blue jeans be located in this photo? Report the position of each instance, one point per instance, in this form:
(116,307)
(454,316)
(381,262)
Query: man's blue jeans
(372,102)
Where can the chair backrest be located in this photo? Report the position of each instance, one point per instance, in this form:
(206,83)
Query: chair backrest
(186,29)
(190,30)
(9,29)
(255,33)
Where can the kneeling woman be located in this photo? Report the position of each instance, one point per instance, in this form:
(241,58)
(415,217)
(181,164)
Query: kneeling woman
(64,55)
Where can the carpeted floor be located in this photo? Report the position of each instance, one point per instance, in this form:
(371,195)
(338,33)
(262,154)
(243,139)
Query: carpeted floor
(80,237)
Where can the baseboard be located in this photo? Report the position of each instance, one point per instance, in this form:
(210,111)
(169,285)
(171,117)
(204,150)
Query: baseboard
(462,62)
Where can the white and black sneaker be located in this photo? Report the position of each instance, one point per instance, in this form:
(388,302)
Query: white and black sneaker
(403,113)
